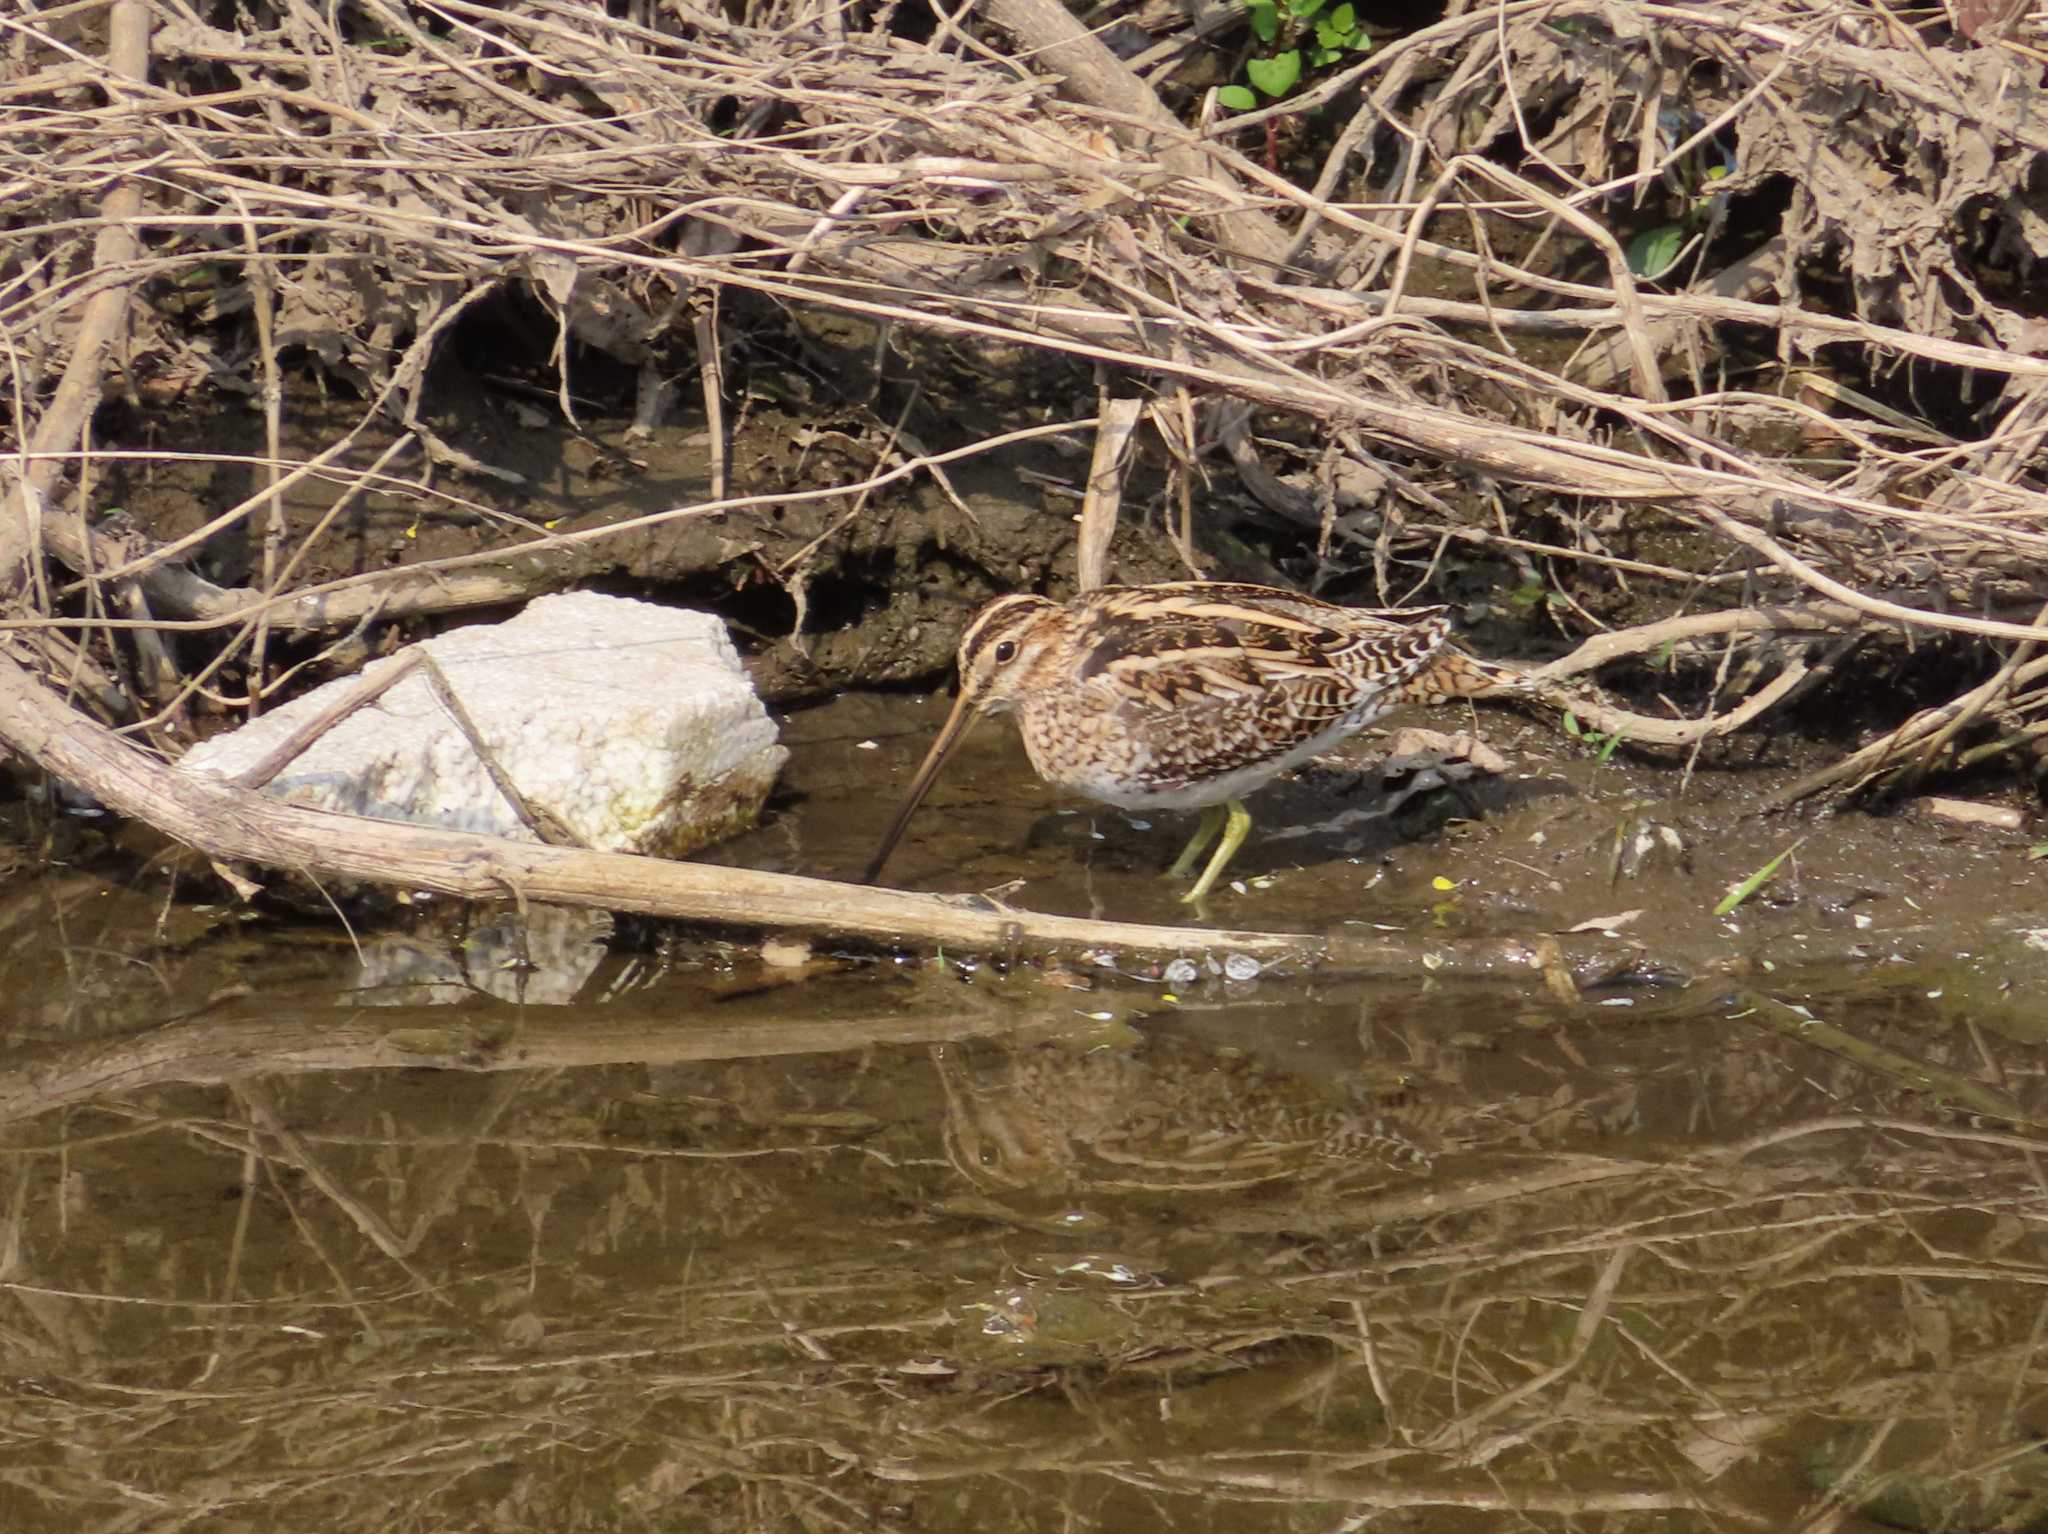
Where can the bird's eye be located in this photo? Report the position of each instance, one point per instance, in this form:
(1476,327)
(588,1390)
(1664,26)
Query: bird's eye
(1006,651)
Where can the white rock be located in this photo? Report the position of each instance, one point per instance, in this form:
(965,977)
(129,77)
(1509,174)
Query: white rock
(633,724)
(1968,812)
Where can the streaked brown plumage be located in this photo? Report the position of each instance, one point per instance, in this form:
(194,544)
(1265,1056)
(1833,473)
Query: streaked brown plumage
(1190,694)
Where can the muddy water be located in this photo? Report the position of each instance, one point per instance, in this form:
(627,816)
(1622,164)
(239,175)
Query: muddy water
(669,1236)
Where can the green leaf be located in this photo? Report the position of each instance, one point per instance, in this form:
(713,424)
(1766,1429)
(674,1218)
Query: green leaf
(1345,18)
(1323,57)
(1651,253)
(1327,36)
(1265,19)
(1237,98)
(1301,10)
(2038,851)
(1572,727)
(1755,881)
(1607,749)
(1275,76)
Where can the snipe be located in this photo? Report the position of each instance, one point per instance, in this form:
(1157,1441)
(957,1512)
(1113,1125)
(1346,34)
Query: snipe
(1189,694)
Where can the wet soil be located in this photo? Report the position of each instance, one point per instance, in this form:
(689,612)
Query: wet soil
(709,1236)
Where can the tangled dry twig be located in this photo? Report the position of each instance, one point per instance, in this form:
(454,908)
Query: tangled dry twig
(362,189)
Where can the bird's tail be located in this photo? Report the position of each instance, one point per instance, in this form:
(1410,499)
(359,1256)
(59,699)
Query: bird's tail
(1453,673)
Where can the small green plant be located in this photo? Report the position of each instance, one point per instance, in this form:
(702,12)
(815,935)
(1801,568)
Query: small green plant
(1692,177)
(1300,35)
(1655,251)
(1534,594)
(1603,742)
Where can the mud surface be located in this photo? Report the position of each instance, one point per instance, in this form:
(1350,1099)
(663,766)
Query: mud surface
(824,587)
(712,1238)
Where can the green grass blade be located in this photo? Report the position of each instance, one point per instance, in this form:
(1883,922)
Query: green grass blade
(1755,881)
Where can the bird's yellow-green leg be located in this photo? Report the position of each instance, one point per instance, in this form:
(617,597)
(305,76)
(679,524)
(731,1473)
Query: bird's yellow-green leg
(1237,824)
(1205,833)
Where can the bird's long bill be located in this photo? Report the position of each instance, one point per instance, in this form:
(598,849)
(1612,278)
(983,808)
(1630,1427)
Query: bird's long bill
(949,736)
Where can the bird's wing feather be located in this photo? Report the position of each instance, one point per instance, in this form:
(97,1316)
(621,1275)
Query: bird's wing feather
(1271,675)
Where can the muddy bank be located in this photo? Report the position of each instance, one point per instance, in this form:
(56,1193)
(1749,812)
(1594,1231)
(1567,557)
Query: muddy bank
(826,588)
(1563,840)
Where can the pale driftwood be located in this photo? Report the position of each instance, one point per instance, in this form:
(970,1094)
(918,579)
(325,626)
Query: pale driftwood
(1856,770)
(1815,618)
(104,323)
(1643,729)
(1099,502)
(232,824)
(490,579)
